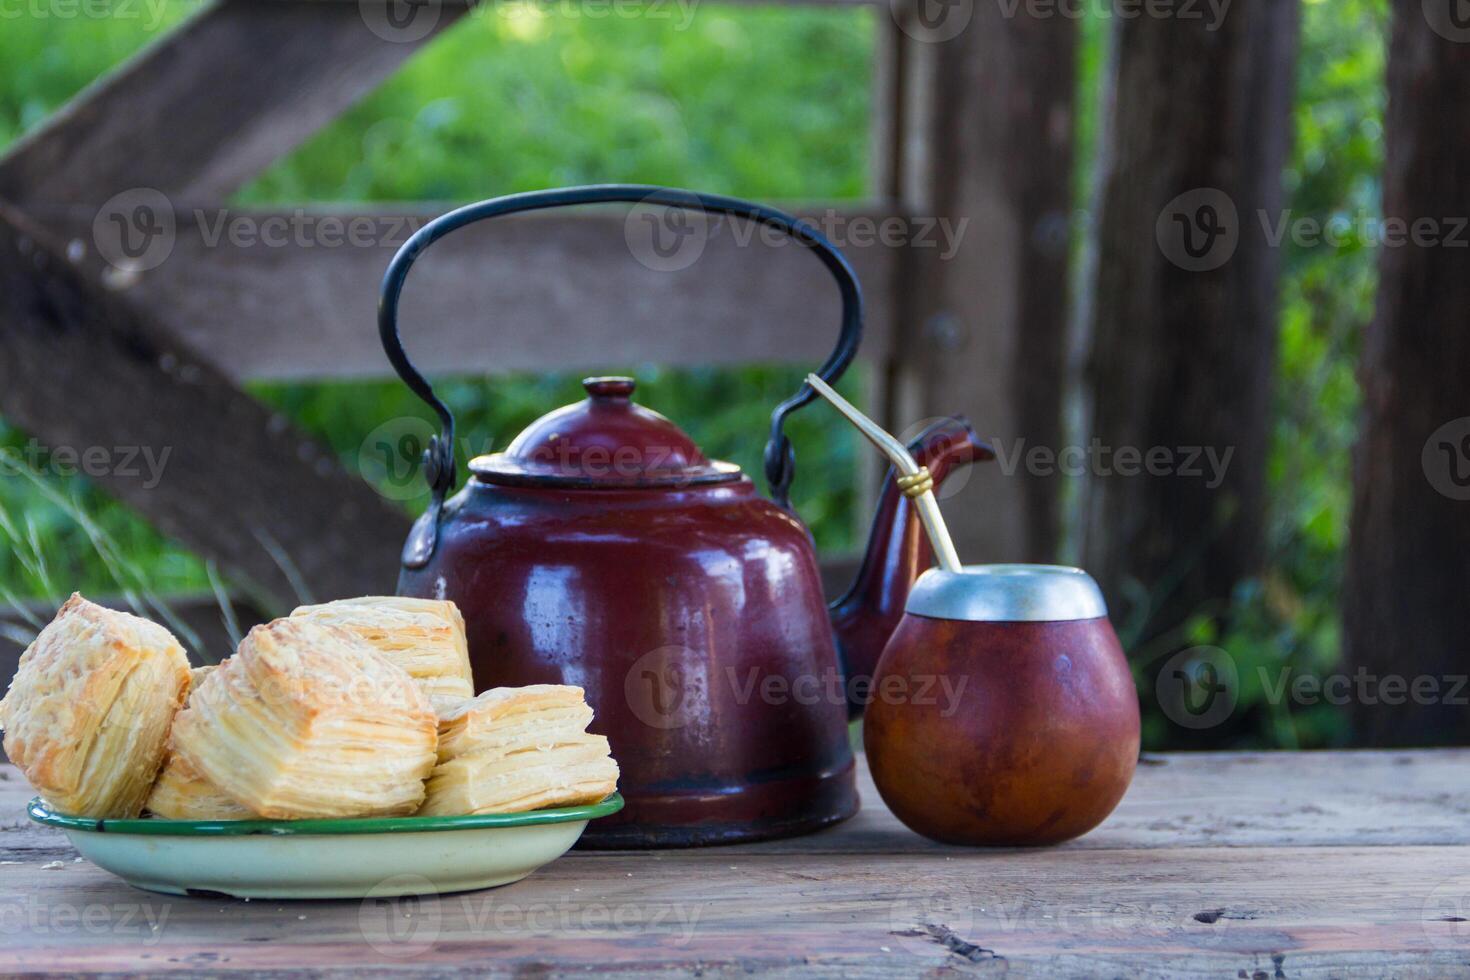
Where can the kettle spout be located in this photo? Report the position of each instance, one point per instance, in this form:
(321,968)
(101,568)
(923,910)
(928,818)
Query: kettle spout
(897,553)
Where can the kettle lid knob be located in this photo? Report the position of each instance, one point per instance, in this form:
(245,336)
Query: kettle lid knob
(612,386)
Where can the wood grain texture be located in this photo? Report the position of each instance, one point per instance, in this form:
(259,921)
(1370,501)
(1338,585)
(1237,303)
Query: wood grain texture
(1407,575)
(989,151)
(209,105)
(83,368)
(1214,865)
(1182,346)
(293,294)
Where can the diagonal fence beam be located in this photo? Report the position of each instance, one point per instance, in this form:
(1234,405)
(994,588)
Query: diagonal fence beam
(216,101)
(84,369)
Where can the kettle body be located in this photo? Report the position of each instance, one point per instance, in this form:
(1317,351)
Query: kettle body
(695,622)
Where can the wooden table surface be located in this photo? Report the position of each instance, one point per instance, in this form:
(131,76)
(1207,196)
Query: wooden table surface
(1251,865)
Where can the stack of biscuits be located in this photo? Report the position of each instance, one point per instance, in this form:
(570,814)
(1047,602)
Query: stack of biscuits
(519,748)
(356,708)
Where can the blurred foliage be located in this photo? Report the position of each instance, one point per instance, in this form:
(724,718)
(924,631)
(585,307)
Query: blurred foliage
(765,102)
(1290,620)
(769,103)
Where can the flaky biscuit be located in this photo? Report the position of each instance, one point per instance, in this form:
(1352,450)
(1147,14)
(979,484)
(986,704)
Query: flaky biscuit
(519,748)
(423,636)
(88,712)
(306,721)
(180,793)
(507,718)
(568,774)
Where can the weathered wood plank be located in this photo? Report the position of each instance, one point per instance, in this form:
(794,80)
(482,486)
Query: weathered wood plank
(293,295)
(209,105)
(1329,887)
(83,368)
(1213,909)
(1403,601)
(1183,319)
(1232,800)
(989,151)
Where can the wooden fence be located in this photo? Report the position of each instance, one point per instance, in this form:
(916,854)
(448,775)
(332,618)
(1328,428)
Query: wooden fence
(98,356)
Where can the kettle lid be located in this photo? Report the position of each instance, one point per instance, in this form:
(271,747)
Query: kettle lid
(603,441)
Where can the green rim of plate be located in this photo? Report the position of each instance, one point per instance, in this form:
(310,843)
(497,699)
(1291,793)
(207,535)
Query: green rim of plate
(41,813)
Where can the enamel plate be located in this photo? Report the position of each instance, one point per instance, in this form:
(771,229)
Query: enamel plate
(360,858)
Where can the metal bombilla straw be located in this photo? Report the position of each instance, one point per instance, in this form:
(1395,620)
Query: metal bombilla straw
(915,481)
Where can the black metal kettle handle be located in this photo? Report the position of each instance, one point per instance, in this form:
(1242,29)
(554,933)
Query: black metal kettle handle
(439,468)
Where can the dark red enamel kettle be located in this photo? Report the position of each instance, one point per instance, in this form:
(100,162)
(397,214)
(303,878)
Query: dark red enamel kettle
(602,549)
